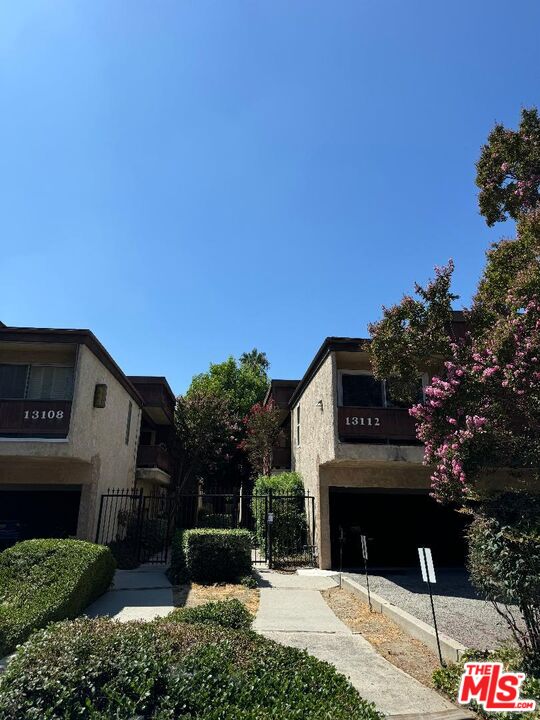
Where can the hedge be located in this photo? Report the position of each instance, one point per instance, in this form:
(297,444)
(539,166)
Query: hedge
(210,555)
(102,669)
(289,529)
(448,679)
(225,613)
(44,580)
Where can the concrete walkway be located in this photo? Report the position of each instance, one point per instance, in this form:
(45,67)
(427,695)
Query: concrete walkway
(293,612)
(141,594)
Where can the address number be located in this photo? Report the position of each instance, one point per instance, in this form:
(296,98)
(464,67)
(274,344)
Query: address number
(370,421)
(43,414)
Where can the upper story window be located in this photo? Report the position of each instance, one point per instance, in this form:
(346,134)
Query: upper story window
(36,382)
(298,424)
(360,389)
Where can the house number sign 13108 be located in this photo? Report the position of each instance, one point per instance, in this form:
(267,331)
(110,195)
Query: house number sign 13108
(366,421)
(43,414)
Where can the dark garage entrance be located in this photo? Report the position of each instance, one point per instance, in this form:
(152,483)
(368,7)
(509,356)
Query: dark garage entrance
(396,524)
(34,511)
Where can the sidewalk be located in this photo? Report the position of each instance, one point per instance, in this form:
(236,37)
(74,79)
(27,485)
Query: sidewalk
(141,594)
(293,612)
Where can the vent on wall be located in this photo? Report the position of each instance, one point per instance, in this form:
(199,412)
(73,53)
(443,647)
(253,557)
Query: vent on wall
(100,396)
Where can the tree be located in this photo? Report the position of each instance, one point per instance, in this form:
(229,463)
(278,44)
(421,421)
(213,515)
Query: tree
(508,171)
(204,428)
(482,408)
(243,382)
(262,426)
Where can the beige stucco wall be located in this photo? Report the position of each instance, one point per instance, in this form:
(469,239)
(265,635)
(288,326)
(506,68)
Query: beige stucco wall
(94,454)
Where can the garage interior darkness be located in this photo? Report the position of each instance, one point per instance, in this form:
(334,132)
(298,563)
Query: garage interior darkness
(396,524)
(39,511)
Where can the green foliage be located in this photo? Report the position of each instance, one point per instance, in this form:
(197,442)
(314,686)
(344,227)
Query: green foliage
(412,334)
(262,426)
(44,580)
(447,680)
(504,564)
(243,383)
(210,555)
(249,581)
(225,613)
(289,528)
(508,171)
(101,669)
(214,520)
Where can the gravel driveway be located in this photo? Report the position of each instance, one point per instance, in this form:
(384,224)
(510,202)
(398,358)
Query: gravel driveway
(461,614)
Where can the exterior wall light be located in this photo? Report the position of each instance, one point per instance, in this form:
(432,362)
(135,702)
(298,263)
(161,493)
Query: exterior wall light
(320,405)
(100,395)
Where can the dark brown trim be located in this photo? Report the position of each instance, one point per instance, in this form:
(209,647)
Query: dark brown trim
(153,380)
(330,344)
(73,337)
(278,383)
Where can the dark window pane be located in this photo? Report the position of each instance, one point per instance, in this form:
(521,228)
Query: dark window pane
(13,381)
(361,391)
(50,382)
(393,402)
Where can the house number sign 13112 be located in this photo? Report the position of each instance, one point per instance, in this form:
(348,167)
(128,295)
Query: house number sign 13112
(366,421)
(43,414)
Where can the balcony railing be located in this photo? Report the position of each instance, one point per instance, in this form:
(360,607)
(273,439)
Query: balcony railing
(35,418)
(281,457)
(154,456)
(362,424)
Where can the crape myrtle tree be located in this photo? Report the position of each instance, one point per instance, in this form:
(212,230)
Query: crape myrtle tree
(262,427)
(482,407)
(240,384)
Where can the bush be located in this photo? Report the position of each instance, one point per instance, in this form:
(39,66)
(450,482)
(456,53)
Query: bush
(504,564)
(214,520)
(210,555)
(44,580)
(448,679)
(289,529)
(102,669)
(225,613)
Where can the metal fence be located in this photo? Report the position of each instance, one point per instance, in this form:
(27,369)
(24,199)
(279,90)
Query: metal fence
(139,527)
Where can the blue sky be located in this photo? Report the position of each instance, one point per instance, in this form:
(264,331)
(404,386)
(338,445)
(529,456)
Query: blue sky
(192,179)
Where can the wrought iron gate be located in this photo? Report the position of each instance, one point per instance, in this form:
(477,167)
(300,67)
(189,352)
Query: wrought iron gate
(139,527)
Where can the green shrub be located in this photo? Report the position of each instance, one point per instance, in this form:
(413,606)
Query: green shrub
(44,580)
(226,613)
(210,555)
(448,679)
(102,669)
(214,520)
(289,528)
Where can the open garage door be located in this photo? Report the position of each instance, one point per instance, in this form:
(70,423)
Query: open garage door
(396,524)
(38,511)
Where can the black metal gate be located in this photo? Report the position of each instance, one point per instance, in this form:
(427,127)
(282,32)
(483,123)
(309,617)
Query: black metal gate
(139,528)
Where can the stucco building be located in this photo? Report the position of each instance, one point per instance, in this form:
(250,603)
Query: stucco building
(72,424)
(356,449)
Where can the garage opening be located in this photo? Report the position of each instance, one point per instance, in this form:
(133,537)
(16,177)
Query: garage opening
(38,511)
(396,524)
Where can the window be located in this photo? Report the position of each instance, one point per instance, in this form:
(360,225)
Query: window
(50,382)
(361,390)
(13,381)
(128,424)
(298,424)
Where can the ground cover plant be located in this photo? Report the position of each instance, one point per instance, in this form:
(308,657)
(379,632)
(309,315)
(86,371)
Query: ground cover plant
(167,671)
(225,613)
(447,680)
(210,555)
(44,580)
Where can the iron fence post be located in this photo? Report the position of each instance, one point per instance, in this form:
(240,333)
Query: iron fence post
(269,523)
(99,518)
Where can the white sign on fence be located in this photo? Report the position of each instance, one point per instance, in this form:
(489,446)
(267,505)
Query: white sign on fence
(426,565)
(364,547)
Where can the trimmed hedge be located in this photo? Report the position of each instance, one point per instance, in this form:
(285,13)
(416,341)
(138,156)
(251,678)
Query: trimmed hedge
(44,580)
(448,679)
(102,669)
(225,613)
(210,555)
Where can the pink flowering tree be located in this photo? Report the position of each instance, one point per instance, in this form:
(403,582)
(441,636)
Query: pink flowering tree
(261,426)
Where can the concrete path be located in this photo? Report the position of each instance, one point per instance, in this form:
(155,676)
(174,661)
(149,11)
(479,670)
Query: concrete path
(141,594)
(293,612)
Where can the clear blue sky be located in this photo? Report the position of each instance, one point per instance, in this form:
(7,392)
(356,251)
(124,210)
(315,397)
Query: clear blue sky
(192,179)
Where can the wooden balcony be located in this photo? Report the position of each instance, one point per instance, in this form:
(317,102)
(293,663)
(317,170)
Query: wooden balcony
(35,418)
(281,458)
(154,456)
(365,424)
